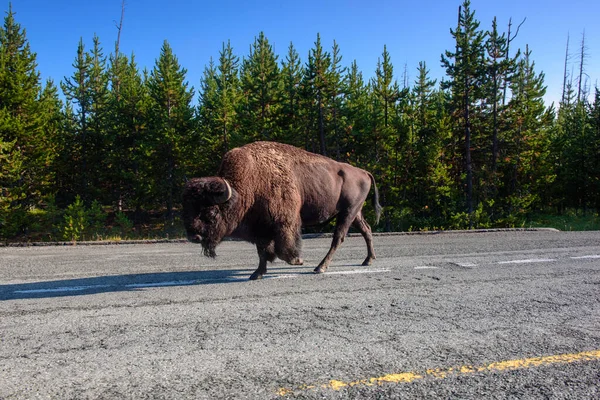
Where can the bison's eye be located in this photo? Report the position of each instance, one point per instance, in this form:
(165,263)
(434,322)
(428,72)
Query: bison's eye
(209,215)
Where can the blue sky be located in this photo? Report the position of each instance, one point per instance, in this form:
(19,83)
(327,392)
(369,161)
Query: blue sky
(413,31)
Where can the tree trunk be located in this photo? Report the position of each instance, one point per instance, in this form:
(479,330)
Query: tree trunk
(322,130)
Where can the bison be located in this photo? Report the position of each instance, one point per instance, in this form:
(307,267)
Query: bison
(265,192)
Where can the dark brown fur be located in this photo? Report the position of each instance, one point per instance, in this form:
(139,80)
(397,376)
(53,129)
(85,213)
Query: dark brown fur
(275,190)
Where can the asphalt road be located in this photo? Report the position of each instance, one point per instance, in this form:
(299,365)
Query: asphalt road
(452,315)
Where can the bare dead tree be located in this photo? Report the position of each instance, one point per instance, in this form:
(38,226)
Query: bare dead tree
(581,91)
(509,39)
(564,91)
(119,29)
(117,81)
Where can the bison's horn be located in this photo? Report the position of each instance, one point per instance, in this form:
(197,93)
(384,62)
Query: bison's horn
(229,191)
(224,197)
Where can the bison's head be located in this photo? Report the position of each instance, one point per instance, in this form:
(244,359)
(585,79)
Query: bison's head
(202,216)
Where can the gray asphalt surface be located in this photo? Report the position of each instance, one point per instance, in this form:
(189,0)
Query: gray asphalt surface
(452,315)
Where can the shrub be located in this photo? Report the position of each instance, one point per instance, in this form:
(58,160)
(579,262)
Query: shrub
(75,221)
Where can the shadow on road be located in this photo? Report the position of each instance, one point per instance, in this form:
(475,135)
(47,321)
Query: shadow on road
(119,283)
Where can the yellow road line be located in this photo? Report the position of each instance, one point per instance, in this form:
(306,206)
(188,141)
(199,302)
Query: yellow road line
(441,373)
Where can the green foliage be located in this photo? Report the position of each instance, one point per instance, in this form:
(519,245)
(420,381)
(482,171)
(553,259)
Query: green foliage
(171,128)
(479,219)
(122,225)
(75,221)
(291,118)
(466,70)
(220,97)
(262,86)
(30,120)
(95,220)
(126,165)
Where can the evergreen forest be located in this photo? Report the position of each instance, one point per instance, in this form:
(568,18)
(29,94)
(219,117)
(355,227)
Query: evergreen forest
(105,152)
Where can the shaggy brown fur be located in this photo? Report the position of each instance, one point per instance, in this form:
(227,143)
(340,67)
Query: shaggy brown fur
(265,192)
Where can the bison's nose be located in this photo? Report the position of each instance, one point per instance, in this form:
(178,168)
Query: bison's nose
(194,238)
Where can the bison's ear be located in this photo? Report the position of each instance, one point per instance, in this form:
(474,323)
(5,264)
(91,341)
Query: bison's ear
(208,191)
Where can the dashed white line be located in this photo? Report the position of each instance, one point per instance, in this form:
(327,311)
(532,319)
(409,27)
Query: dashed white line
(466,264)
(61,289)
(160,284)
(533,260)
(593,256)
(288,276)
(357,271)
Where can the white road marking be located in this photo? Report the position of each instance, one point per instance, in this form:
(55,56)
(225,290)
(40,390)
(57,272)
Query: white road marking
(357,271)
(62,289)
(282,276)
(286,276)
(586,257)
(465,264)
(532,260)
(159,284)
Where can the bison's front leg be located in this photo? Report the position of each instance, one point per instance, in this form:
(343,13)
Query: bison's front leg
(266,253)
(288,244)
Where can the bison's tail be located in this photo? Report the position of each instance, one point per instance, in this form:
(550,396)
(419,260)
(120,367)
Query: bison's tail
(376,204)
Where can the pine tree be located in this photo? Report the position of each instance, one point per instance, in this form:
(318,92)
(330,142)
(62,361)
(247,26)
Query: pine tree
(467,78)
(594,152)
(219,105)
(52,108)
(425,143)
(423,95)
(128,168)
(28,125)
(335,78)
(214,132)
(500,68)
(291,119)
(78,93)
(262,89)
(386,134)
(357,112)
(98,134)
(171,126)
(527,168)
(315,93)
(386,88)
(228,84)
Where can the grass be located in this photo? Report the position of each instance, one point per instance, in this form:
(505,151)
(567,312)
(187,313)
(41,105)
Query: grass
(569,221)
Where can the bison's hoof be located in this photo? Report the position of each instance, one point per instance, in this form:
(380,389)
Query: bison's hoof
(296,261)
(319,270)
(368,261)
(255,276)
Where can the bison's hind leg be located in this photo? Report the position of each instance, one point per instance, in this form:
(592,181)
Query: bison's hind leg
(356,219)
(266,253)
(363,227)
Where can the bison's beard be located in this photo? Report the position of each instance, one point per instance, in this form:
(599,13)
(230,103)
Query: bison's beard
(209,246)
(212,237)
